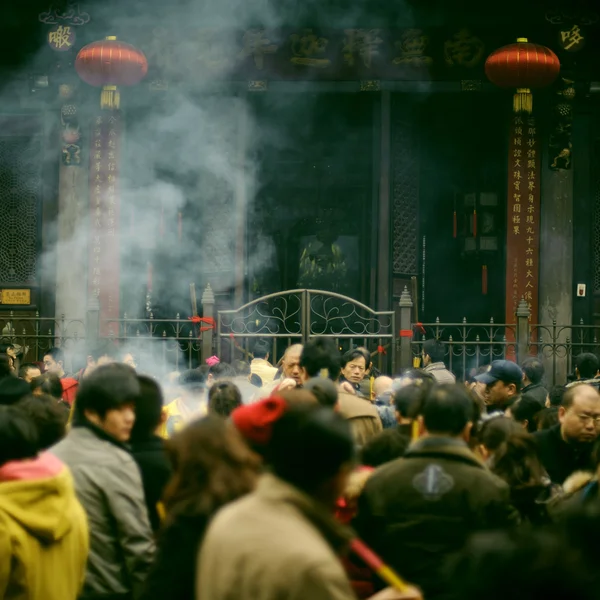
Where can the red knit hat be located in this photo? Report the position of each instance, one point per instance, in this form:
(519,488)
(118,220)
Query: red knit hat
(255,421)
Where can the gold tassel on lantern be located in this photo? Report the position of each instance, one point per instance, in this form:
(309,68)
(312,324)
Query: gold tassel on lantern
(110,99)
(523,101)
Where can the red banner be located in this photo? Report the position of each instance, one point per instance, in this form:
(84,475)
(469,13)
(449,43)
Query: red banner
(523,218)
(104,274)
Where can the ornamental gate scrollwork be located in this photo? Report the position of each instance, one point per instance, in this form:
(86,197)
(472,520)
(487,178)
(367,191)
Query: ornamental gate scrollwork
(295,316)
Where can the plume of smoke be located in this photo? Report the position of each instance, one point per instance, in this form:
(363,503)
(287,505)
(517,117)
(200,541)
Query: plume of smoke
(192,154)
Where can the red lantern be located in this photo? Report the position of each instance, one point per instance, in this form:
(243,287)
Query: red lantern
(110,63)
(523,66)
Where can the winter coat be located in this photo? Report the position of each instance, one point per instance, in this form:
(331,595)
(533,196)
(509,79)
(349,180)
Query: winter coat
(264,369)
(274,544)
(441,374)
(362,416)
(417,511)
(559,458)
(173,573)
(536,391)
(43,532)
(156,470)
(70,387)
(109,486)
(533,502)
(177,415)
(580,490)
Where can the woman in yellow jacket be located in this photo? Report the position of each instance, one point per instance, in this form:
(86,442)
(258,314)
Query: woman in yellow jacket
(43,528)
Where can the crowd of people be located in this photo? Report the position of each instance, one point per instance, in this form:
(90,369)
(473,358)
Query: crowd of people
(317,478)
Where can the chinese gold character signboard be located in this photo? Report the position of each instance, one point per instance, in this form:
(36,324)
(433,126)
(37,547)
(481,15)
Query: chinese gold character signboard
(21,297)
(104,259)
(61,38)
(523,214)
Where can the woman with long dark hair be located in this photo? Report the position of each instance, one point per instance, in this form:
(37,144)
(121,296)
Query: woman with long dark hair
(512,455)
(212,467)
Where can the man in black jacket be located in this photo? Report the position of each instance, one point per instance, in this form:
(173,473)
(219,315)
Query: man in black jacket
(417,511)
(148,449)
(567,447)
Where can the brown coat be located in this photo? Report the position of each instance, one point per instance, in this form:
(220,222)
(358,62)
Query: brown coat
(274,544)
(362,415)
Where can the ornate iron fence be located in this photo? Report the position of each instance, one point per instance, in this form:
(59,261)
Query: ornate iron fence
(160,345)
(32,336)
(296,316)
(472,345)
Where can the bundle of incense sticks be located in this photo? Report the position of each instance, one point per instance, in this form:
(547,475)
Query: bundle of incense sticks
(374,562)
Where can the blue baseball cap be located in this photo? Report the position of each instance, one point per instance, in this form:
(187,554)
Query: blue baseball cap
(502,370)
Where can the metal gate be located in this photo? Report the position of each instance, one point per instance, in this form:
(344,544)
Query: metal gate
(295,316)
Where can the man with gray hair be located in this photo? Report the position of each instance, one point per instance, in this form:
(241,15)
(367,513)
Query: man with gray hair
(291,373)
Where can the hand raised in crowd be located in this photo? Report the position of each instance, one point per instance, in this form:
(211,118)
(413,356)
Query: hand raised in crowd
(287,384)
(411,593)
(346,386)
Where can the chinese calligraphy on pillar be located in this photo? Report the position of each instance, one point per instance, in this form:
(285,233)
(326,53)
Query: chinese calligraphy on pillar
(104,259)
(523,218)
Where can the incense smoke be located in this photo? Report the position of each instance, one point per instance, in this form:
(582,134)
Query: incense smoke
(190,160)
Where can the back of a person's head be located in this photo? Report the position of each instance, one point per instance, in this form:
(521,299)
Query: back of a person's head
(556,394)
(309,445)
(212,465)
(12,389)
(435,350)
(321,353)
(416,376)
(5,366)
(193,380)
(48,383)
(104,348)
(409,399)
(261,349)
(547,418)
(223,398)
(534,369)
(520,564)
(447,410)
(222,370)
(587,365)
(148,408)
(383,448)
(19,438)
(526,410)
(516,461)
(493,431)
(49,417)
(242,368)
(107,388)
(324,390)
